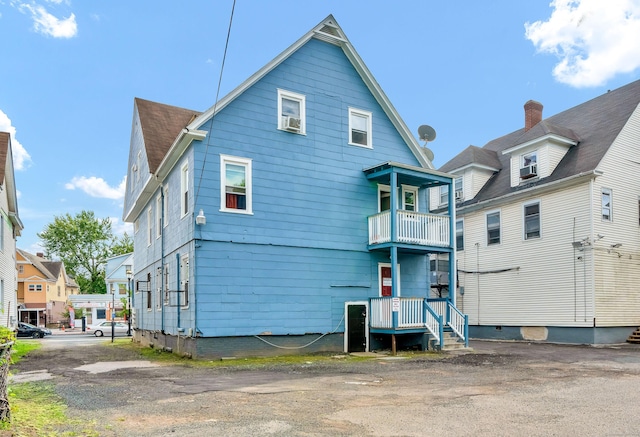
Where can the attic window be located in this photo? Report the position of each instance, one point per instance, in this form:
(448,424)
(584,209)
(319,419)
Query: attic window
(529,165)
(291,112)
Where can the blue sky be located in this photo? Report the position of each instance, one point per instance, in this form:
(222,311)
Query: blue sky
(70,70)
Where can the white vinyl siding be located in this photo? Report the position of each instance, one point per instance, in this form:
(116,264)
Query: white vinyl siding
(529,282)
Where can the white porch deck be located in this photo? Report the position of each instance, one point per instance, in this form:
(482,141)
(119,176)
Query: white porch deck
(411,228)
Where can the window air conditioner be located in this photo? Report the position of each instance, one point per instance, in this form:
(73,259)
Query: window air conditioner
(459,195)
(528,171)
(292,123)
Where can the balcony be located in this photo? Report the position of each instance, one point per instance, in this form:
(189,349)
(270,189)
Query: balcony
(413,228)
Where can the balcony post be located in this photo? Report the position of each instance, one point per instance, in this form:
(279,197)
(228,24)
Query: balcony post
(452,238)
(394,238)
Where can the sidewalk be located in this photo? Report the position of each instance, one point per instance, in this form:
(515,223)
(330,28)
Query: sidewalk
(68,331)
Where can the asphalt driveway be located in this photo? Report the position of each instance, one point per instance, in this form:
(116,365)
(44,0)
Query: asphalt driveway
(498,389)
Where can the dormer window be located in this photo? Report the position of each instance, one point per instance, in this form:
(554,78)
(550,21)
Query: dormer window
(529,166)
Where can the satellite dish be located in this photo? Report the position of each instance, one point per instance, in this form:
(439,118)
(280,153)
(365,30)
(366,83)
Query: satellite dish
(426,133)
(428,153)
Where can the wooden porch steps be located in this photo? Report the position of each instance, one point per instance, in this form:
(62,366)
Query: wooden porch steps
(634,337)
(451,342)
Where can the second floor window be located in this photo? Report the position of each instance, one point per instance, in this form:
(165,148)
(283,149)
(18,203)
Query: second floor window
(493,228)
(235,184)
(606,204)
(460,234)
(532,221)
(184,189)
(444,195)
(409,199)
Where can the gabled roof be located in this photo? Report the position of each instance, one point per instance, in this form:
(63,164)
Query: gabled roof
(593,125)
(160,125)
(38,263)
(473,156)
(329,31)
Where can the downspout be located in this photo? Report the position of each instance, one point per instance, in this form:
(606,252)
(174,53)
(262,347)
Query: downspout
(178,288)
(593,263)
(162,286)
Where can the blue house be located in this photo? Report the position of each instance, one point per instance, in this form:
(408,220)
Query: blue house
(290,217)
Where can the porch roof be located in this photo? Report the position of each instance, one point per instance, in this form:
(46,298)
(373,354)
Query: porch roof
(407,174)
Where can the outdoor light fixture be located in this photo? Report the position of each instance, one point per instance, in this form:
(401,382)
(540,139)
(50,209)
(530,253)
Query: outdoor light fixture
(201,219)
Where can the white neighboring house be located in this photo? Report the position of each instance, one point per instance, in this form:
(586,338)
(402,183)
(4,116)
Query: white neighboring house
(10,227)
(548,225)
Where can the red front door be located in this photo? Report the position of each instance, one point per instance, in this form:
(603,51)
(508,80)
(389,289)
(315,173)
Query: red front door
(385,272)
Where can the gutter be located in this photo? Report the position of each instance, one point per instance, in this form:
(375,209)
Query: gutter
(538,189)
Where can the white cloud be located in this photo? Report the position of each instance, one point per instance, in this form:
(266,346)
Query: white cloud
(21,158)
(97,187)
(48,24)
(594,40)
(119,228)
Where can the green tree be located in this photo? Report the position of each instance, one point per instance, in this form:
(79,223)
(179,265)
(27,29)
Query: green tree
(121,245)
(83,242)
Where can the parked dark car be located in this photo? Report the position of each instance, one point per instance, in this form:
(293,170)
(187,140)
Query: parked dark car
(29,330)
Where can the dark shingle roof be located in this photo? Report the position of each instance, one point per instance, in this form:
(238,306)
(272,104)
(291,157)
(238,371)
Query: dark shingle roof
(595,124)
(161,125)
(473,155)
(4,148)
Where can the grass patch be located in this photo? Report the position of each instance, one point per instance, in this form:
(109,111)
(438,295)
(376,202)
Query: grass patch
(22,348)
(37,411)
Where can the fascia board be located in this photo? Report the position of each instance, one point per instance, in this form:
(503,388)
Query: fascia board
(538,189)
(557,139)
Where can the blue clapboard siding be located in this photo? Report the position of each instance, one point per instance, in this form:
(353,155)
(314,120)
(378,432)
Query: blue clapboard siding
(289,267)
(286,290)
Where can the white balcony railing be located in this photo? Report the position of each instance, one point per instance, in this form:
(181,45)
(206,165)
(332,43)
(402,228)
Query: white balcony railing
(411,227)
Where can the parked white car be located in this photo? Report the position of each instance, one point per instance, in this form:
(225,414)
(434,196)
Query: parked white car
(104,328)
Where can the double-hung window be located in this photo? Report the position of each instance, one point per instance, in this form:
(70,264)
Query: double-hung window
(158,216)
(184,189)
(184,281)
(444,195)
(493,228)
(235,184)
(149,226)
(532,221)
(460,234)
(459,194)
(606,205)
(291,112)
(360,127)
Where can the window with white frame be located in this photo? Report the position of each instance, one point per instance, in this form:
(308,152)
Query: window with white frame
(158,216)
(444,195)
(532,221)
(384,198)
(606,205)
(35,287)
(409,198)
(2,232)
(291,112)
(184,189)
(460,234)
(360,128)
(529,165)
(20,269)
(149,226)
(158,288)
(184,281)
(165,206)
(166,284)
(458,188)
(493,228)
(235,184)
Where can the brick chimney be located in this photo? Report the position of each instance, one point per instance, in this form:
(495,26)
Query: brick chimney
(40,254)
(532,114)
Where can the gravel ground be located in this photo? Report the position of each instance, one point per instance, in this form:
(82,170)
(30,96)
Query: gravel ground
(498,389)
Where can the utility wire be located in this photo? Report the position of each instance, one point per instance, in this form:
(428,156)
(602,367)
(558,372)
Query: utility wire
(206,150)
